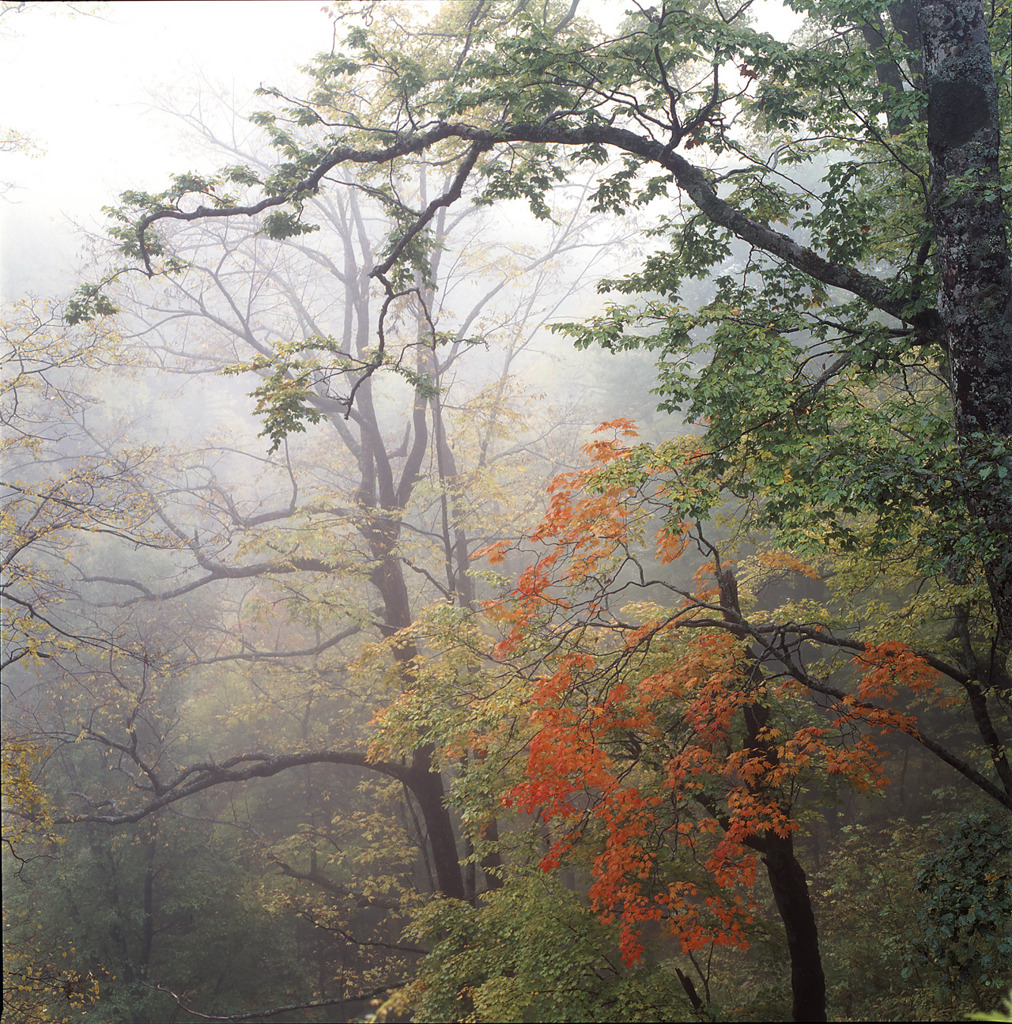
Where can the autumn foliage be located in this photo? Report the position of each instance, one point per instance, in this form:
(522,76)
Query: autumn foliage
(668,747)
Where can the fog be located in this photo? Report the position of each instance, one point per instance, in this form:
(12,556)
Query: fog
(371,651)
(86,84)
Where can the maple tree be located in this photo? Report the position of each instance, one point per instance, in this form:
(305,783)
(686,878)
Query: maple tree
(661,734)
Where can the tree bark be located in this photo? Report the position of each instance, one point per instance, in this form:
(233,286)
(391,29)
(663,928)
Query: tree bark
(975,286)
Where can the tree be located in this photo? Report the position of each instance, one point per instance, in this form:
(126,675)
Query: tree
(657,727)
(58,485)
(821,402)
(59,489)
(377,475)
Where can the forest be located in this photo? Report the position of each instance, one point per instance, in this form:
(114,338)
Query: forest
(529,536)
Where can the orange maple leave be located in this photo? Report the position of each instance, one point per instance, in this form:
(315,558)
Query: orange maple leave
(667,743)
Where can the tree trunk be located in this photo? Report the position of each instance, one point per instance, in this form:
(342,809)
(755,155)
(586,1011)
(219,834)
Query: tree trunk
(794,904)
(975,287)
(786,876)
(381,529)
(887,70)
(424,781)
(426,786)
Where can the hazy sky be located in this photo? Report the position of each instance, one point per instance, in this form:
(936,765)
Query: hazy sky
(85,89)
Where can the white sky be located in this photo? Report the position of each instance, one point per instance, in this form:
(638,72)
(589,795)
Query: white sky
(85,88)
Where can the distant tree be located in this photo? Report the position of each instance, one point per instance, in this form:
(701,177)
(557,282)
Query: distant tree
(58,485)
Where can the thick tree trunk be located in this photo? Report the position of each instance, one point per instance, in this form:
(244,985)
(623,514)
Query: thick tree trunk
(975,288)
(383,502)
(425,783)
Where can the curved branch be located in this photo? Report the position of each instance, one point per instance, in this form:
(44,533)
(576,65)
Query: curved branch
(691,179)
(274,1011)
(241,768)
